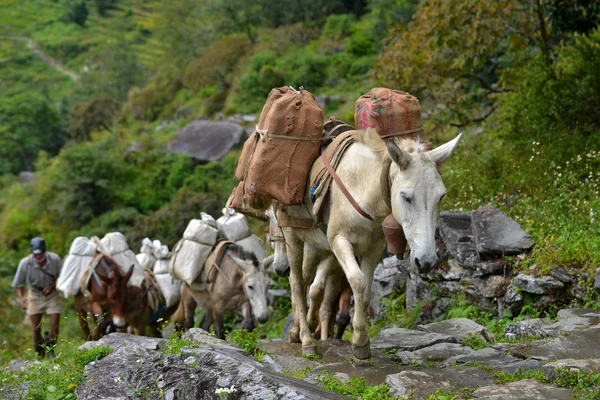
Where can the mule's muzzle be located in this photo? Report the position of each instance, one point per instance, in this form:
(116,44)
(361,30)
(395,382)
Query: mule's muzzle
(282,270)
(263,318)
(424,263)
(119,322)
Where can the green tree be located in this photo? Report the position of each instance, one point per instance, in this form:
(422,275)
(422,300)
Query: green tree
(96,113)
(454,52)
(102,6)
(28,124)
(76,12)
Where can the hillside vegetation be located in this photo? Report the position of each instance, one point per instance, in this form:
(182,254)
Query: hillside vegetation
(80,81)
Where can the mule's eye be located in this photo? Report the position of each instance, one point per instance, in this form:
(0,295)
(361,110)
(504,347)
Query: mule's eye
(407,199)
(251,287)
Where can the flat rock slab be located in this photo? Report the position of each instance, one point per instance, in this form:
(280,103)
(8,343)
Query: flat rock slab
(438,353)
(460,328)
(567,325)
(551,369)
(408,340)
(374,373)
(496,234)
(497,360)
(579,345)
(577,312)
(522,390)
(420,383)
(118,340)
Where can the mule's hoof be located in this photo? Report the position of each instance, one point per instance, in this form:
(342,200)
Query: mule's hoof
(362,353)
(309,350)
(294,337)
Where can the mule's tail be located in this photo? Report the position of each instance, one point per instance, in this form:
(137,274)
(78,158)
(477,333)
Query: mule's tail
(178,317)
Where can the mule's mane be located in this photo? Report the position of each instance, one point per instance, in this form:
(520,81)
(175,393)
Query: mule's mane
(239,252)
(373,141)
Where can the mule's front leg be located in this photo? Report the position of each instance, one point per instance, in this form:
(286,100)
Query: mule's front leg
(344,251)
(327,312)
(217,318)
(298,286)
(248,322)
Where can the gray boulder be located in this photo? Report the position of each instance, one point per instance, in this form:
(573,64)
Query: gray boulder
(207,140)
(511,302)
(438,353)
(537,285)
(597,279)
(457,233)
(522,390)
(196,372)
(578,345)
(498,235)
(522,329)
(390,275)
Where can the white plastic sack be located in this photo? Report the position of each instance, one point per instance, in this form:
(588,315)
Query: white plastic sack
(188,260)
(115,245)
(169,287)
(146,256)
(161,267)
(254,245)
(80,256)
(201,232)
(233,226)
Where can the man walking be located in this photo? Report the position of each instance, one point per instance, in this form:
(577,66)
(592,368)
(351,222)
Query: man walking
(39,271)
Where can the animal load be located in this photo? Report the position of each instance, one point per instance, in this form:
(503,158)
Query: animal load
(234,227)
(392,113)
(169,286)
(115,245)
(146,256)
(80,256)
(277,157)
(163,256)
(192,251)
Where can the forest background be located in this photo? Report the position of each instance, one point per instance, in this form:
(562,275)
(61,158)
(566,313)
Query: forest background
(81,81)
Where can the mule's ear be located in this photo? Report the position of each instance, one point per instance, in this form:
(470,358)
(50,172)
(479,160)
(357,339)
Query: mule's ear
(399,156)
(441,153)
(107,279)
(242,264)
(129,273)
(267,264)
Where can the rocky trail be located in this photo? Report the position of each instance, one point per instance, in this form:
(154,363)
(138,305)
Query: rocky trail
(414,363)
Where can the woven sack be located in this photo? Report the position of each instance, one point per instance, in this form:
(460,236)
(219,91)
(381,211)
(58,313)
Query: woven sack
(390,112)
(169,288)
(250,143)
(254,245)
(80,256)
(239,203)
(288,145)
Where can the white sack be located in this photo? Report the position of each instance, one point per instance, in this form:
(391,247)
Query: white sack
(233,226)
(201,232)
(115,245)
(80,256)
(254,245)
(169,287)
(146,256)
(188,260)
(161,267)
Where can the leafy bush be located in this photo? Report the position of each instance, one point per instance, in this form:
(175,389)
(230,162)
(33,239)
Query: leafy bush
(247,341)
(76,12)
(355,388)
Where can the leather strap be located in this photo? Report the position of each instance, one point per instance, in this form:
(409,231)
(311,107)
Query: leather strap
(403,133)
(345,191)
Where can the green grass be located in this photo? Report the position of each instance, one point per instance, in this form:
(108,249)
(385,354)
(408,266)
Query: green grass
(53,379)
(247,341)
(355,388)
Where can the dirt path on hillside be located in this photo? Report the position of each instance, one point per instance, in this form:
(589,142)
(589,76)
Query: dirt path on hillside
(57,65)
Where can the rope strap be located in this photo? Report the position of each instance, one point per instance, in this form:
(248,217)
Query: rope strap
(345,191)
(266,135)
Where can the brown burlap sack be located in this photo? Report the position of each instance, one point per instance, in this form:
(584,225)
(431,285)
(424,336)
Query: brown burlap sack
(390,112)
(240,203)
(250,143)
(288,145)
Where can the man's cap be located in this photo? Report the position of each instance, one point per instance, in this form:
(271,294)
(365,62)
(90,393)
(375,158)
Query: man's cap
(37,245)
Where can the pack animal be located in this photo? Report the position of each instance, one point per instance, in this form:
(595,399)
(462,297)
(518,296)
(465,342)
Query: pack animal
(409,173)
(241,281)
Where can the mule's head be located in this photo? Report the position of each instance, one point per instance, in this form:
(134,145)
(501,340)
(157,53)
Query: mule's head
(256,283)
(116,291)
(416,192)
(281,266)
